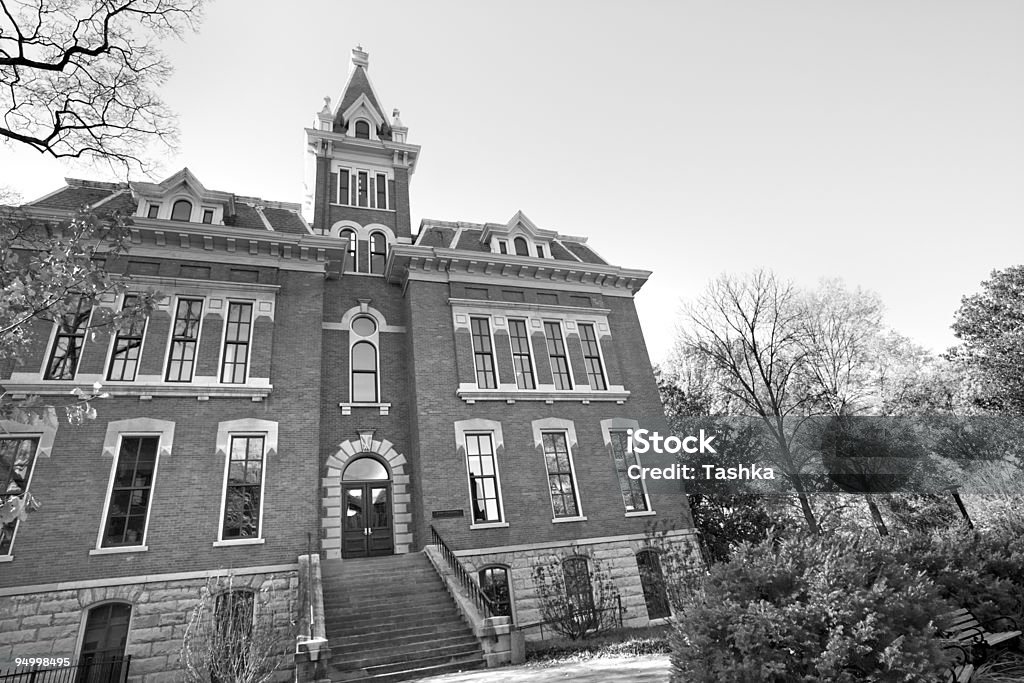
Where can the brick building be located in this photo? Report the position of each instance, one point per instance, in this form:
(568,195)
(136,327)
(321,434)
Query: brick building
(320,371)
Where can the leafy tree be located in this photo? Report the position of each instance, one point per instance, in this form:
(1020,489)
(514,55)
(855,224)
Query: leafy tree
(78,78)
(990,326)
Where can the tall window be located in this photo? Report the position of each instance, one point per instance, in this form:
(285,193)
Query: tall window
(363,340)
(236,343)
(522,248)
(243,494)
(131,492)
(653,583)
(382,191)
(350,235)
(483,353)
(494,584)
(181,210)
(124,361)
(483,478)
(561,479)
(362,129)
(17,456)
(184,338)
(378,252)
(106,632)
(576,575)
(362,188)
(343,186)
(69,340)
(592,358)
(556,352)
(633,495)
(521,361)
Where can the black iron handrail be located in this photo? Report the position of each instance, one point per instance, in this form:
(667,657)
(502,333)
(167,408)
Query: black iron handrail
(483,603)
(114,670)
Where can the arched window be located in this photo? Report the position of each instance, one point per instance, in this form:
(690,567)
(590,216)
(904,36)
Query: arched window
(365,469)
(576,573)
(181,210)
(378,252)
(364,372)
(653,582)
(495,585)
(522,249)
(362,129)
(233,616)
(350,235)
(106,632)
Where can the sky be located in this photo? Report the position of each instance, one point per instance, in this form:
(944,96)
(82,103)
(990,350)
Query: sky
(878,142)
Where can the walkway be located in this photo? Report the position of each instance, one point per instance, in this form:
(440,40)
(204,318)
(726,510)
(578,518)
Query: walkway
(646,669)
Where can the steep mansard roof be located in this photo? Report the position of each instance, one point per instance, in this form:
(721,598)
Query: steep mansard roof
(473,237)
(249,212)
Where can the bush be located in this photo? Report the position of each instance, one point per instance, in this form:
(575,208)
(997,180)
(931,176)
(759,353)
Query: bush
(836,608)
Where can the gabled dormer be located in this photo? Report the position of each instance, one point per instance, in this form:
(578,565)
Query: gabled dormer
(182,197)
(519,237)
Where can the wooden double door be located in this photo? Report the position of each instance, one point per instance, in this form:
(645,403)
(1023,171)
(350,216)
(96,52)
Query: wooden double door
(366,527)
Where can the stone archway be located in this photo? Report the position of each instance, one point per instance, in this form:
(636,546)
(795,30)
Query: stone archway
(400,498)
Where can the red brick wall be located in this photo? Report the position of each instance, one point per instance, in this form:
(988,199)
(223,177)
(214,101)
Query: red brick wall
(53,545)
(440,473)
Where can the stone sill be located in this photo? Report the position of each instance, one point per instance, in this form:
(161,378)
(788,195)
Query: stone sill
(471,396)
(346,408)
(6,558)
(489,525)
(641,513)
(116,550)
(239,541)
(144,391)
(562,520)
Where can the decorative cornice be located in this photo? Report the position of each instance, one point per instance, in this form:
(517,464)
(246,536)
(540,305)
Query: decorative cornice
(411,262)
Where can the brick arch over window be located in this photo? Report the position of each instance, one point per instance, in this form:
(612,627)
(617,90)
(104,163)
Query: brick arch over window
(400,498)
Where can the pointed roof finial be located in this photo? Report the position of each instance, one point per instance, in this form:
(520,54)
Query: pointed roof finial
(360,57)
(327,106)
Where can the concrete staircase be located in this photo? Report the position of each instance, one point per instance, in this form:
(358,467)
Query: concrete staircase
(391,619)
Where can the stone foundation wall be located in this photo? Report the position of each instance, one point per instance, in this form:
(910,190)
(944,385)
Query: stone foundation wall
(50,624)
(616,558)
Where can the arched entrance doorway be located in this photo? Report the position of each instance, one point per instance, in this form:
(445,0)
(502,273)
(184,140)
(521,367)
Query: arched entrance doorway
(367,525)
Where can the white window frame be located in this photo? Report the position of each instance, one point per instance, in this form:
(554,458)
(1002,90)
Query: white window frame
(10,435)
(573,383)
(387,190)
(600,353)
(464,428)
(224,341)
(374,340)
(529,347)
(494,350)
(620,424)
(53,340)
(113,341)
(116,432)
(259,539)
(170,337)
(551,425)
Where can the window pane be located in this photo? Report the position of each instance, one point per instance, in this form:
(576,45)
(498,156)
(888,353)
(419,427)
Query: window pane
(364,387)
(362,130)
(592,357)
(653,583)
(132,488)
(364,326)
(558,462)
(185,334)
(236,343)
(153,211)
(365,469)
(382,191)
(522,249)
(244,492)
(68,340)
(557,354)
(483,357)
(483,478)
(521,359)
(181,211)
(17,456)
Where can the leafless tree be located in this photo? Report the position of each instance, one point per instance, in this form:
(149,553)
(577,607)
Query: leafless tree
(752,331)
(79,78)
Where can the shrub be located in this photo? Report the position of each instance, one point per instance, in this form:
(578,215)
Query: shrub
(810,609)
(577,596)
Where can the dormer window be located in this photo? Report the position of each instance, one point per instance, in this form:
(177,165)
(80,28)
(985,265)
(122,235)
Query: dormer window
(362,129)
(154,211)
(182,210)
(502,247)
(540,251)
(208,216)
(522,249)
